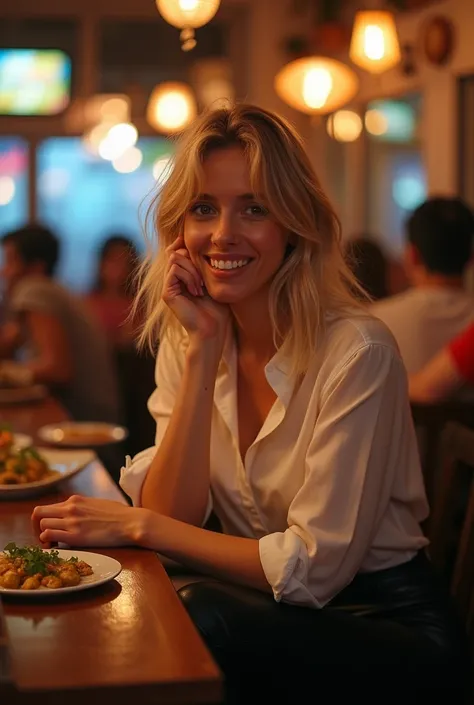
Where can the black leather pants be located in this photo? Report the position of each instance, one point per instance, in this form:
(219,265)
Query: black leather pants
(389,637)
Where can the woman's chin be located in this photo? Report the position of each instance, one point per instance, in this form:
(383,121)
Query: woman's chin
(226,295)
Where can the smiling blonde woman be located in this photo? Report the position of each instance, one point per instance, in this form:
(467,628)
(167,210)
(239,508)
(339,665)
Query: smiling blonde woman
(281,406)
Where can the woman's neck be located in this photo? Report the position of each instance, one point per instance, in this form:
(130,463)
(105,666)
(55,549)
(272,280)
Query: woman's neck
(253,328)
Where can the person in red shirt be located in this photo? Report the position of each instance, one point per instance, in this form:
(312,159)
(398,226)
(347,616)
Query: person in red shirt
(447,372)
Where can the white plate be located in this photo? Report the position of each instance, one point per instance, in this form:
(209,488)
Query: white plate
(66,463)
(23,395)
(82,434)
(105,568)
(21,441)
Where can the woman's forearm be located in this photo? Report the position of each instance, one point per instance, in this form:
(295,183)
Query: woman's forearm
(227,557)
(177,483)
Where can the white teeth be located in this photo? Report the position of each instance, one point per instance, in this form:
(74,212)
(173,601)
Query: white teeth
(228,264)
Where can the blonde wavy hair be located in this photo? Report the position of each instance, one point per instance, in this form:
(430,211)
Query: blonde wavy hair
(313,280)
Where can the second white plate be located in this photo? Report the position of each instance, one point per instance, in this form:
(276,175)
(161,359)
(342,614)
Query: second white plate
(83,434)
(65,464)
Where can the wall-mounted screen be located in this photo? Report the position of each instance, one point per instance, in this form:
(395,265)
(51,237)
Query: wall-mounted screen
(34,81)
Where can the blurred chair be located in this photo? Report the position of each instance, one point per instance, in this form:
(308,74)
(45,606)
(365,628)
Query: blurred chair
(451,530)
(136,374)
(452,527)
(430,421)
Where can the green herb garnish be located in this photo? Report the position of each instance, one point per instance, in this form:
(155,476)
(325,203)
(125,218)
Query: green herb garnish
(35,559)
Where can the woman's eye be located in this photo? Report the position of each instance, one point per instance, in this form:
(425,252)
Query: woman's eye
(202,209)
(257,211)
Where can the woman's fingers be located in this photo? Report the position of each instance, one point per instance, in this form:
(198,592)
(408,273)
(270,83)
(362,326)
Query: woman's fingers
(178,274)
(52,524)
(48,510)
(176,245)
(58,536)
(185,263)
(51,510)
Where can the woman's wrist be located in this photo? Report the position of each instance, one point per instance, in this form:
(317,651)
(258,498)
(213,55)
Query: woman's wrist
(207,351)
(137,528)
(143,529)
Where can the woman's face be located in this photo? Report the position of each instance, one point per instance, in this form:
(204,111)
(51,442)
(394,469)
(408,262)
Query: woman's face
(231,237)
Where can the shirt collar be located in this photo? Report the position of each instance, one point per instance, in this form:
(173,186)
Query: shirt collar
(277,370)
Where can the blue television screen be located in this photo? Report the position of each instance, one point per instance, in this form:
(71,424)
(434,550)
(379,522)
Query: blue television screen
(34,81)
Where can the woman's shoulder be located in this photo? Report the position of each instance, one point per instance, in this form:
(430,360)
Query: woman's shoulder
(345,335)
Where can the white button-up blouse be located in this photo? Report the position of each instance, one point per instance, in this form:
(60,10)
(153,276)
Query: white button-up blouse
(332,484)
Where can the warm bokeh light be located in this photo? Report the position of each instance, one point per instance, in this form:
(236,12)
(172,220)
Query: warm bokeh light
(107,107)
(187,13)
(128,161)
(374,43)
(391,120)
(95,136)
(115,109)
(7,190)
(375,122)
(344,126)
(171,107)
(316,84)
(118,140)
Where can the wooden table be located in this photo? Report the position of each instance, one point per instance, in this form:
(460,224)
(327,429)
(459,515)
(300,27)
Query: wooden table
(130,640)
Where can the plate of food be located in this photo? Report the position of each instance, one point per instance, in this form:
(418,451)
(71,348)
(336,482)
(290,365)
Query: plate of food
(28,470)
(82,434)
(8,439)
(32,571)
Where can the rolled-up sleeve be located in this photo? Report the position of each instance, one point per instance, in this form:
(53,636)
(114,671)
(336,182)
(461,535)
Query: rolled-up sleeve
(168,374)
(363,433)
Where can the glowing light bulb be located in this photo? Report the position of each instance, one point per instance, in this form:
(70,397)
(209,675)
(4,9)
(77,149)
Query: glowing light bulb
(374,43)
(317,86)
(188,5)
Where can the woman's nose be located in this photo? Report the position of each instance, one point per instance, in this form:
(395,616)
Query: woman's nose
(225,230)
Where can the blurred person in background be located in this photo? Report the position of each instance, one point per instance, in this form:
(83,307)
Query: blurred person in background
(110,302)
(112,296)
(369,265)
(48,334)
(436,307)
(446,373)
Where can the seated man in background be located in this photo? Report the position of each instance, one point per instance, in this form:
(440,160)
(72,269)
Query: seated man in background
(50,333)
(436,307)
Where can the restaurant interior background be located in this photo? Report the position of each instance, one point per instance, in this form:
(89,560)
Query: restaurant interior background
(409,132)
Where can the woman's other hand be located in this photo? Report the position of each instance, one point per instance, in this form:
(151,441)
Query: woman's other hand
(85,521)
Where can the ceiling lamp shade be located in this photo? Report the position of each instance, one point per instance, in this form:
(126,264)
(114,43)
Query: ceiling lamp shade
(316,84)
(374,43)
(187,15)
(171,107)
